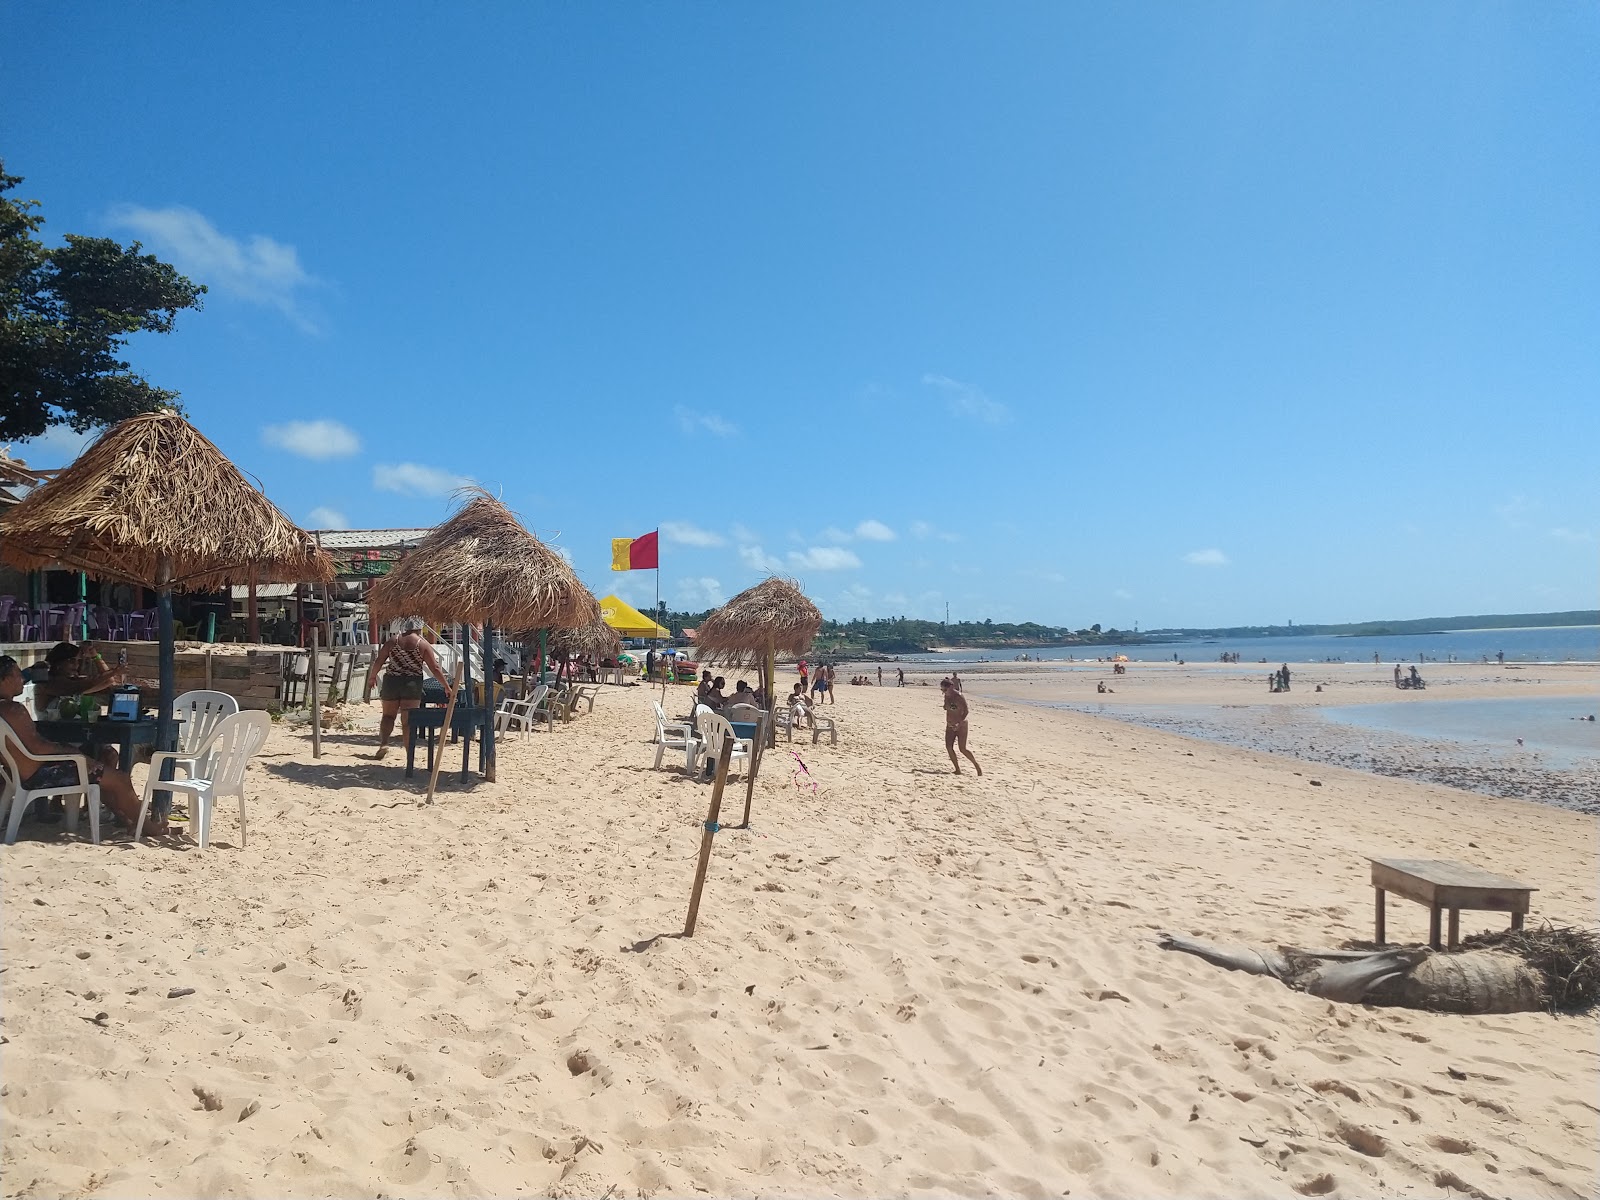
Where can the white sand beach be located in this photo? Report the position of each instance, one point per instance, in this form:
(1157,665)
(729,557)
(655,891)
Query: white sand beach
(903,982)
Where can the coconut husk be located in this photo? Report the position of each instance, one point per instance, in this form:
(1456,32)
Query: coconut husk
(481,565)
(772,617)
(152,490)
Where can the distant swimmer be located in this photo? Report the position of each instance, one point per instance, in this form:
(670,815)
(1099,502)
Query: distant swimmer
(955,726)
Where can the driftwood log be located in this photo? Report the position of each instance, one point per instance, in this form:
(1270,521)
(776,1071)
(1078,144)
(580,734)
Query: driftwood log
(1469,981)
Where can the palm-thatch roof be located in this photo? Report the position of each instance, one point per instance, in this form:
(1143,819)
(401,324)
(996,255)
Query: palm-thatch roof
(595,640)
(772,616)
(153,489)
(482,566)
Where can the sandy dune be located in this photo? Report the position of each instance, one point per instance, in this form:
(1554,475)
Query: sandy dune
(902,982)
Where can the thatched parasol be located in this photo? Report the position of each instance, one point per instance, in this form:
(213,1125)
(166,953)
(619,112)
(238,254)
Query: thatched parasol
(153,502)
(595,638)
(759,622)
(751,628)
(482,567)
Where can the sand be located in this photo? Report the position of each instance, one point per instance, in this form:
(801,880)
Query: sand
(902,981)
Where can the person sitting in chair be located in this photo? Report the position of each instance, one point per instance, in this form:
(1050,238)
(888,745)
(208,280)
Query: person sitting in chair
(116,787)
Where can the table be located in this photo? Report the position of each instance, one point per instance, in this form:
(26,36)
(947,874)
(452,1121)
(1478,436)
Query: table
(125,735)
(1442,884)
(466,721)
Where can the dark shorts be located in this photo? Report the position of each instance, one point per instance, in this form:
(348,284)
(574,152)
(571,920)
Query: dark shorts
(61,775)
(401,687)
(820,685)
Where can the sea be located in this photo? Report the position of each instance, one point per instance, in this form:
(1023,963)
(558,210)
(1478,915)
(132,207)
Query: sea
(1550,644)
(1557,726)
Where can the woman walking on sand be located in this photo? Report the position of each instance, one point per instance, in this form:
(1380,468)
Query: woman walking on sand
(955,726)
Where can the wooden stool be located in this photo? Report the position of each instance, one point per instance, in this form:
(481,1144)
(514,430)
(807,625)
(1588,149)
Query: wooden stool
(1442,884)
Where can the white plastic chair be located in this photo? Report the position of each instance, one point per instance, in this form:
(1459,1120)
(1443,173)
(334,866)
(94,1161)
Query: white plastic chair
(518,714)
(230,748)
(713,729)
(19,797)
(201,712)
(675,735)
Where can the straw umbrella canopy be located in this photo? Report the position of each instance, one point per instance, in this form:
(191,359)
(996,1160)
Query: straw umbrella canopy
(482,567)
(751,628)
(594,638)
(153,502)
(759,622)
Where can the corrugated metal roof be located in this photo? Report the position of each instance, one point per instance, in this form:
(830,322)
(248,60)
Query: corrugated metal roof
(369,539)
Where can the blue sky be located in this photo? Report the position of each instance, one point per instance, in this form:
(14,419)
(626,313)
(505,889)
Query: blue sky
(1073,313)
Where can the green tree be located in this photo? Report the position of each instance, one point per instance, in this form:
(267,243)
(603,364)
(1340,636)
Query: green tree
(65,312)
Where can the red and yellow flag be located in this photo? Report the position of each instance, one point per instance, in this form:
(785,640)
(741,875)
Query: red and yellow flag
(635,554)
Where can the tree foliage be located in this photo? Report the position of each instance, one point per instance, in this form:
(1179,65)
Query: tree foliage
(65,312)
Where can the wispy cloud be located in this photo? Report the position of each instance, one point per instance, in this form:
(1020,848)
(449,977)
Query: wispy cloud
(924,530)
(823,558)
(1122,594)
(684,534)
(55,447)
(831,534)
(1563,534)
(758,559)
(1044,576)
(1206,558)
(964,400)
(744,535)
(328,518)
(313,439)
(414,479)
(694,422)
(256,269)
(701,592)
(874,531)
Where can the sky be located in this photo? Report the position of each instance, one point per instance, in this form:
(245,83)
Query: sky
(1154,315)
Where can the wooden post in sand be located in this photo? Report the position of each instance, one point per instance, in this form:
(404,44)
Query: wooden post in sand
(314,695)
(707,834)
(444,730)
(768,727)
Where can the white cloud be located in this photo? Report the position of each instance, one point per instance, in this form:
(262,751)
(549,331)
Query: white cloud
(896,599)
(1571,535)
(874,531)
(744,535)
(923,530)
(702,592)
(823,558)
(55,447)
(1122,594)
(964,400)
(414,479)
(1044,576)
(256,269)
(1206,558)
(327,518)
(831,534)
(684,534)
(693,422)
(313,439)
(759,560)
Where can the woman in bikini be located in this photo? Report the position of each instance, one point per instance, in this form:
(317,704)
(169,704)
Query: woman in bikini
(955,725)
(403,660)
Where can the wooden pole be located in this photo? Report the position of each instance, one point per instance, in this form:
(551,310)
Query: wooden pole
(707,833)
(208,670)
(758,744)
(314,695)
(444,730)
(252,612)
(488,701)
(167,674)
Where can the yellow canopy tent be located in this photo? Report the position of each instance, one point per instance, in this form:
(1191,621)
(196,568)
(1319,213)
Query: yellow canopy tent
(629,621)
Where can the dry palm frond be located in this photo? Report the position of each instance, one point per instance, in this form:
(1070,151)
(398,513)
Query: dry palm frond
(482,565)
(596,640)
(1567,959)
(153,488)
(774,616)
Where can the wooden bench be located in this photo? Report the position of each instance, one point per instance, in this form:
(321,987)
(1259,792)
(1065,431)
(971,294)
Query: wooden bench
(1441,885)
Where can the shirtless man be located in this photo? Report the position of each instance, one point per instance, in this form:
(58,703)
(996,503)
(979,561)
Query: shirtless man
(406,656)
(116,787)
(955,726)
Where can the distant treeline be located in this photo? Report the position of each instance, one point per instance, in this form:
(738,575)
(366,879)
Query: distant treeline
(1386,628)
(907,635)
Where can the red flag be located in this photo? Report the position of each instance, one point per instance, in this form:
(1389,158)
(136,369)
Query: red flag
(636,554)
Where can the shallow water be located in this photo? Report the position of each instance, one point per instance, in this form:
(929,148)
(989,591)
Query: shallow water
(1547,724)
